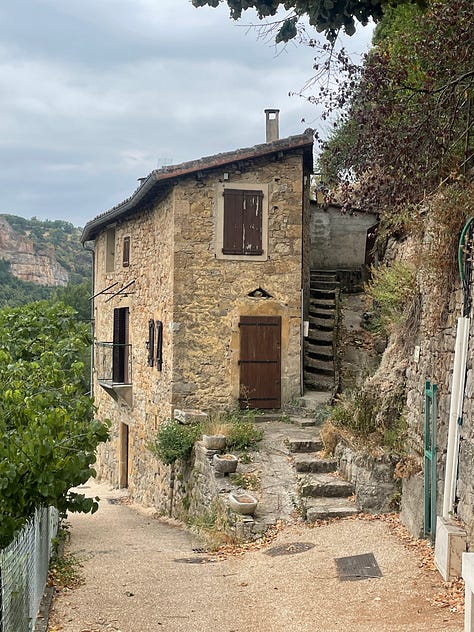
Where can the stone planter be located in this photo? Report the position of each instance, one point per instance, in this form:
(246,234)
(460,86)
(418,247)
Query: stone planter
(225,463)
(244,504)
(214,442)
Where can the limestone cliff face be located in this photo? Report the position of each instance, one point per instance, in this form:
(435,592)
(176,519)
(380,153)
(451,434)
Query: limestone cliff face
(27,264)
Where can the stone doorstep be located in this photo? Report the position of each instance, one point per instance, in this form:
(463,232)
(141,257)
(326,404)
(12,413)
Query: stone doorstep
(326,486)
(310,463)
(322,509)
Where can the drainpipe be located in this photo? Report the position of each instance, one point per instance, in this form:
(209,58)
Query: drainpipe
(92,250)
(459,374)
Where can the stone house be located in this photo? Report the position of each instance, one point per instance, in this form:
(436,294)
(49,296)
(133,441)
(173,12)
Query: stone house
(198,284)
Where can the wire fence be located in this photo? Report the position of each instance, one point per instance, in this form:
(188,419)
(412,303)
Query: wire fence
(24,570)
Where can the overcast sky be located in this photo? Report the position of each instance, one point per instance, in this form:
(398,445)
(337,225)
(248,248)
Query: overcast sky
(98,93)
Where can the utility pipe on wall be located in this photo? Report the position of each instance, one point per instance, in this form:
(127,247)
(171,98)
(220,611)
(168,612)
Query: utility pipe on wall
(455,414)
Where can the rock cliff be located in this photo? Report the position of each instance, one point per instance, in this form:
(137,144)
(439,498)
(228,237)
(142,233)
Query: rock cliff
(27,262)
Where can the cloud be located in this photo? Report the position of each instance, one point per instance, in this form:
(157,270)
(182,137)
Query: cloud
(96,93)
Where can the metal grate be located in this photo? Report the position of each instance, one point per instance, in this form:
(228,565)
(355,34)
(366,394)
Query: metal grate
(23,572)
(357,567)
(289,549)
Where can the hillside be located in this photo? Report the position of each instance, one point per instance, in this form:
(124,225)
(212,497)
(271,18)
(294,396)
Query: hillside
(37,257)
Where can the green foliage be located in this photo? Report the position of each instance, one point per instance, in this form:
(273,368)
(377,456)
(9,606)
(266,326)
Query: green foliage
(174,441)
(49,434)
(406,125)
(77,296)
(242,435)
(391,288)
(328,16)
(376,418)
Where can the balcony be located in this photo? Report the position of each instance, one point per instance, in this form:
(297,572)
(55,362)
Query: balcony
(113,367)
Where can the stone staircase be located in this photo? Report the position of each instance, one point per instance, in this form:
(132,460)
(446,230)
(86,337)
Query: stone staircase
(319,356)
(322,493)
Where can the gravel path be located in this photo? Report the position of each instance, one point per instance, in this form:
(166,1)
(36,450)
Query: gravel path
(141,575)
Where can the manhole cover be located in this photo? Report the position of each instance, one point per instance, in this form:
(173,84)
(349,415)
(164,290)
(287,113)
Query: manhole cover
(194,560)
(114,501)
(357,567)
(289,549)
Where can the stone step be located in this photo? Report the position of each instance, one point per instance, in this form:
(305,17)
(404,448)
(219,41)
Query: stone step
(322,294)
(323,508)
(324,384)
(323,284)
(323,304)
(319,334)
(322,323)
(324,367)
(316,351)
(315,464)
(303,422)
(305,445)
(325,485)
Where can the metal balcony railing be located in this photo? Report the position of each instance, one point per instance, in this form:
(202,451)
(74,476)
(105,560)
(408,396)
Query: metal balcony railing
(113,363)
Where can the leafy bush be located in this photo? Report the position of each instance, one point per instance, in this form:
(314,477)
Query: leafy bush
(174,441)
(392,287)
(243,435)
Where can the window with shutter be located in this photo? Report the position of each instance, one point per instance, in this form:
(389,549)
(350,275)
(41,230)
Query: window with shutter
(243,216)
(126,252)
(242,221)
(120,360)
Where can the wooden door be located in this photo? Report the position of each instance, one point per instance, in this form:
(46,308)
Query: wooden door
(260,361)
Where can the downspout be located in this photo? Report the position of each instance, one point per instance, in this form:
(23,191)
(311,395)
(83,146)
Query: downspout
(459,373)
(92,250)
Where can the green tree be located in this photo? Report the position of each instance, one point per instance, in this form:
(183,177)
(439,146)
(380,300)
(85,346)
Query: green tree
(409,123)
(49,434)
(327,16)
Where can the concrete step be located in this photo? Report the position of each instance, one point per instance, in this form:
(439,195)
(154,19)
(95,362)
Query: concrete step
(315,399)
(315,464)
(325,485)
(305,445)
(323,508)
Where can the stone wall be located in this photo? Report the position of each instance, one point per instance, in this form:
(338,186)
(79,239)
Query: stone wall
(211,293)
(376,490)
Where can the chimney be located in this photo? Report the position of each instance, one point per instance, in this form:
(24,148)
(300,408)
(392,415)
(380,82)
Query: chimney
(272,125)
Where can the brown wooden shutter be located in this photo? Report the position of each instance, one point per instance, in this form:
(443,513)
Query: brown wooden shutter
(151,341)
(242,222)
(252,223)
(159,345)
(126,252)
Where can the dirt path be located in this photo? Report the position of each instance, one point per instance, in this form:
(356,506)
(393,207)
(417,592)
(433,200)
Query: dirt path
(141,575)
